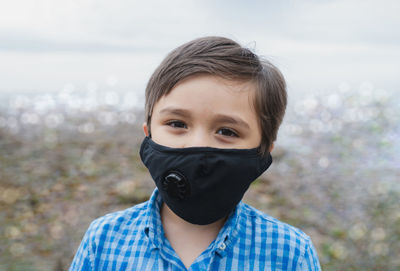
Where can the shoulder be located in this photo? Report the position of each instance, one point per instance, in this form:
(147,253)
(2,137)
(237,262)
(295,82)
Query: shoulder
(107,235)
(269,223)
(280,238)
(126,221)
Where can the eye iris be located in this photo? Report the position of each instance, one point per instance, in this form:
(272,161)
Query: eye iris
(177,124)
(227,132)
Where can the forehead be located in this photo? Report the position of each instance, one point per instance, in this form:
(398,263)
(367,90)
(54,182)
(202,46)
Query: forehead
(208,94)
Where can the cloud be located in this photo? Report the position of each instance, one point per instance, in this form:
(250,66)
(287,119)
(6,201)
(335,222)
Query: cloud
(28,42)
(77,40)
(101,25)
(122,25)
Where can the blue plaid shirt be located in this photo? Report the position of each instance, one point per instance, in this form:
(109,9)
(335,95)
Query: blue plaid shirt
(133,239)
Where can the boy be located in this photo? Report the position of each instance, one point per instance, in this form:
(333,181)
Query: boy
(212,114)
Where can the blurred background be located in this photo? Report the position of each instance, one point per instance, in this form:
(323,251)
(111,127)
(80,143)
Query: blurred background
(72,80)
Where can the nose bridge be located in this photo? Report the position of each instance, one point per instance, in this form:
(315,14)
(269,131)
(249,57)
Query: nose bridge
(200,137)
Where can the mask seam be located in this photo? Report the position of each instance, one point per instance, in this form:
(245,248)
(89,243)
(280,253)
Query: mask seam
(182,151)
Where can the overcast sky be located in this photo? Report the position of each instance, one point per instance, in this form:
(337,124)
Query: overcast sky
(46,44)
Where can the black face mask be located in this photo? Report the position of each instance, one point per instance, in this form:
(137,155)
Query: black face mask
(202,184)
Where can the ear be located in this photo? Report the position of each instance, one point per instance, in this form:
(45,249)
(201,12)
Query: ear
(145,129)
(271,147)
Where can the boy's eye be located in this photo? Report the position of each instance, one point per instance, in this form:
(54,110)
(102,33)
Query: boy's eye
(227,132)
(176,124)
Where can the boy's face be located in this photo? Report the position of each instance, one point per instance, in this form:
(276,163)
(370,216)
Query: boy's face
(206,111)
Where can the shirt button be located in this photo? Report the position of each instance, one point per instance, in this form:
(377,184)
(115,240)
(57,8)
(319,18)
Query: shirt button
(222,246)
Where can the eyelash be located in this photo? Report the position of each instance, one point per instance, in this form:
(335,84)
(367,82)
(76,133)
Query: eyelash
(173,123)
(232,133)
(222,131)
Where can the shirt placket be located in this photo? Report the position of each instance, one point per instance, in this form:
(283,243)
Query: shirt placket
(169,255)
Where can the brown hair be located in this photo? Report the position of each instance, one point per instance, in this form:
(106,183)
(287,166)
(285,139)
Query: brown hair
(225,58)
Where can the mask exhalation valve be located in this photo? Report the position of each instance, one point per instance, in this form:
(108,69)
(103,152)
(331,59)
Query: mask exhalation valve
(176,185)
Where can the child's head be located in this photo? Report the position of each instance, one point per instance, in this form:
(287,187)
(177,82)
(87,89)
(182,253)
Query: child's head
(223,58)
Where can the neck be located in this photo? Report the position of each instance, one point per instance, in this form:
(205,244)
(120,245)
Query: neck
(188,240)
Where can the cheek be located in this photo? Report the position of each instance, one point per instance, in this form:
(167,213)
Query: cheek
(160,135)
(255,134)
(254,141)
(167,141)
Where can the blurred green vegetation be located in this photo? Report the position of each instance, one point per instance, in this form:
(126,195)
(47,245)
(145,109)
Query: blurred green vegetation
(54,182)
(339,185)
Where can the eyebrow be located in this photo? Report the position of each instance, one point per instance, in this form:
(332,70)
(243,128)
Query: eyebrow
(232,120)
(175,111)
(221,118)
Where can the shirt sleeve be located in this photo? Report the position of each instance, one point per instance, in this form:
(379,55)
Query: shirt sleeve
(310,261)
(82,259)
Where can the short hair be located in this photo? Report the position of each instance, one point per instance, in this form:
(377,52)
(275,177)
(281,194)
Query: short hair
(224,57)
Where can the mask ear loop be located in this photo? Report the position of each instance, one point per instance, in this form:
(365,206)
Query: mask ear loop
(149,128)
(260,152)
